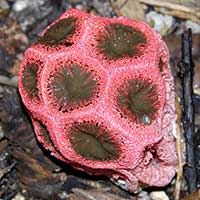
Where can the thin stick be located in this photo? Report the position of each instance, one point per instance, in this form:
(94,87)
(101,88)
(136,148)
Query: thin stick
(187,66)
(179,147)
(169,5)
(174,9)
(4,80)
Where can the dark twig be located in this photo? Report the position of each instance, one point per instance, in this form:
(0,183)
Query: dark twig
(187,66)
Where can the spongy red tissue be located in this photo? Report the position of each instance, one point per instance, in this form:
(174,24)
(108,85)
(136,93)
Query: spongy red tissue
(100,94)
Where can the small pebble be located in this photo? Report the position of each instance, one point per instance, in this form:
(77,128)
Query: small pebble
(19,197)
(194,26)
(4,5)
(160,23)
(20,5)
(143,195)
(159,195)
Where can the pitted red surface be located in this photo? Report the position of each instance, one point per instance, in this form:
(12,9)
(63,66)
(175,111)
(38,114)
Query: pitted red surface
(147,154)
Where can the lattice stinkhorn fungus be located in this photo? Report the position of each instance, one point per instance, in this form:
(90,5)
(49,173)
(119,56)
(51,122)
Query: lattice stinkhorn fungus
(101,98)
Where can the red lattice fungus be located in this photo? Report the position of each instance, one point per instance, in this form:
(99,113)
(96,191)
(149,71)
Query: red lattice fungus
(100,95)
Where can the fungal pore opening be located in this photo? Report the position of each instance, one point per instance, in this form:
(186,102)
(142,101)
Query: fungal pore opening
(138,100)
(93,142)
(59,33)
(118,41)
(29,79)
(44,133)
(72,86)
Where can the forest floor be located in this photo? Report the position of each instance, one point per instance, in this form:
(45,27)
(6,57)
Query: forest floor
(26,169)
